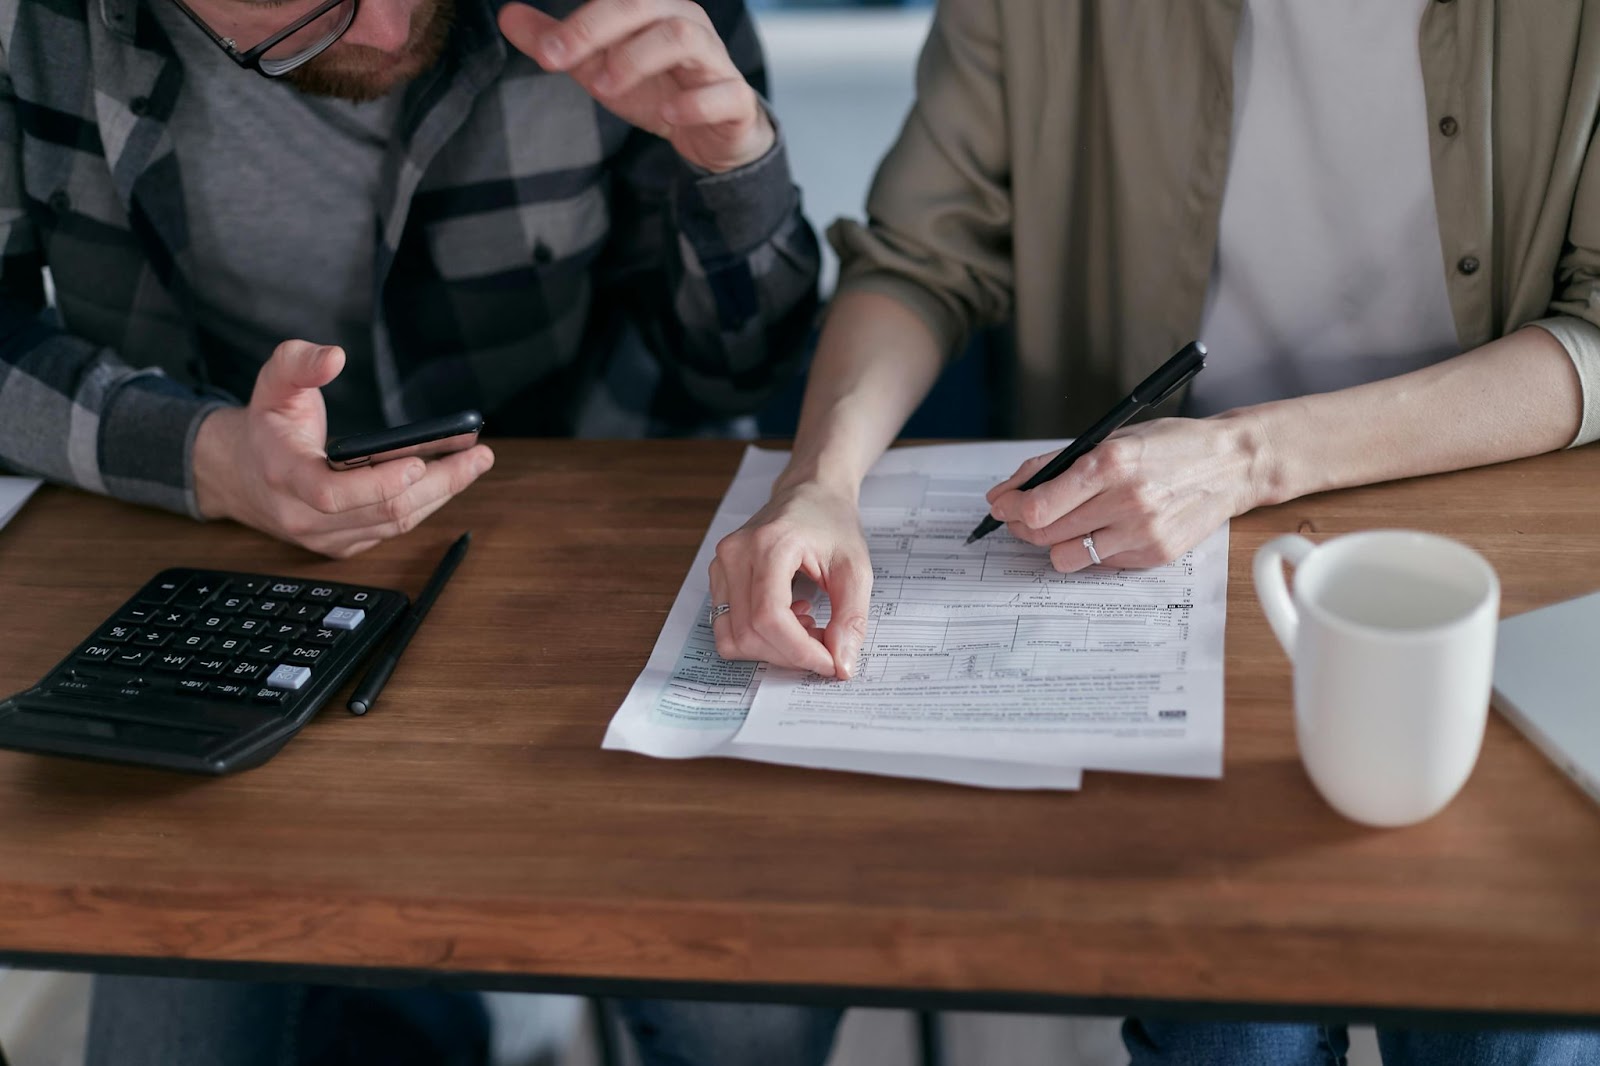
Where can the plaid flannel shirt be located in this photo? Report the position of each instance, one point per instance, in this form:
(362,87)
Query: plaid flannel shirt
(532,247)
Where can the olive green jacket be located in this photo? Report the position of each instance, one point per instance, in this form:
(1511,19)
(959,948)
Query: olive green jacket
(1063,171)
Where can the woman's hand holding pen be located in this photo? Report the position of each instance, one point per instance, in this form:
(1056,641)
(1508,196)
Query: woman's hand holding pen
(805,528)
(1148,494)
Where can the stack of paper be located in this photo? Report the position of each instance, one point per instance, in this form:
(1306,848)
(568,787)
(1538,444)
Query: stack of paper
(982,665)
(14,492)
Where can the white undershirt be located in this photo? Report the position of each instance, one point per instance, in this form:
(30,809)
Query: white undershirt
(1329,271)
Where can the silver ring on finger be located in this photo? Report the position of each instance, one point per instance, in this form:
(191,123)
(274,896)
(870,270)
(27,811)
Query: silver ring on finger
(1094,556)
(718,611)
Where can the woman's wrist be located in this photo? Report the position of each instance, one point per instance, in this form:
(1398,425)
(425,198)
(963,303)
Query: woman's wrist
(1251,435)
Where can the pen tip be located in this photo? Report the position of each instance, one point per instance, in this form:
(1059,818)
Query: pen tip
(971,537)
(357,707)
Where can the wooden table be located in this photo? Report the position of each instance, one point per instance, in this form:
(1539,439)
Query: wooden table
(471,830)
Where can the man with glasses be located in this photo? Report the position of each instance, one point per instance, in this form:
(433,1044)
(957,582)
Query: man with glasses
(358,213)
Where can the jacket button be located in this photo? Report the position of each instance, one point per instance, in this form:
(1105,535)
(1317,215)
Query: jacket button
(1449,126)
(60,202)
(139,105)
(1468,264)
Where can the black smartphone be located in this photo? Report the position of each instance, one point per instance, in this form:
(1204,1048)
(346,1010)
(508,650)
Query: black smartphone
(427,438)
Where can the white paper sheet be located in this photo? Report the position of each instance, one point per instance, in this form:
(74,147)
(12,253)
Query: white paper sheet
(14,492)
(984,651)
(689,702)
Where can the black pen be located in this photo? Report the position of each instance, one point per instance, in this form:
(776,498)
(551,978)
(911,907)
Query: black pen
(367,692)
(1172,376)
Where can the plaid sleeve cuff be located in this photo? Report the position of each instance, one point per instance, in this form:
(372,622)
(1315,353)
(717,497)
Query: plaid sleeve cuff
(733,213)
(146,442)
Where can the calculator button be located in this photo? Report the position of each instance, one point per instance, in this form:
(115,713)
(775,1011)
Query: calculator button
(212,623)
(344,618)
(249,627)
(284,631)
(171,662)
(268,650)
(322,636)
(304,656)
(230,690)
(304,612)
(117,634)
(96,653)
(285,590)
(131,659)
(232,604)
(191,686)
(245,670)
(289,677)
(193,642)
(170,619)
(275,697)
(161,591)
(152,638)
(209,664)
(140,613)
(249,586)
(197,592)
(320,593)
(231,646)
(267,608)
(359,598)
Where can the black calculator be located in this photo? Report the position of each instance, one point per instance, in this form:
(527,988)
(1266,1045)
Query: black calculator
(202,670)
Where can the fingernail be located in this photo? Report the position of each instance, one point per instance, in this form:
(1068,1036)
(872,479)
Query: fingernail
(552,46)
(482,466)
(670,114)
(414,473)
(604,82)
(847,659)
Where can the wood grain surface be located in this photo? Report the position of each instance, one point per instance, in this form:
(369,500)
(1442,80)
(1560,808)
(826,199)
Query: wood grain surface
(471,822)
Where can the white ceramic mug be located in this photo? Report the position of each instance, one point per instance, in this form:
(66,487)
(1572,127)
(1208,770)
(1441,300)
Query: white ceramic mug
(1391,634)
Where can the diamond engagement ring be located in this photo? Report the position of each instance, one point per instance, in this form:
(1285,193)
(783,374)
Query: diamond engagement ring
(719,610)
(1088,542)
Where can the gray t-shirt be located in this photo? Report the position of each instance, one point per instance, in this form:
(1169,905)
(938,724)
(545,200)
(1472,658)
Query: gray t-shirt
(281,190)
(1329,269)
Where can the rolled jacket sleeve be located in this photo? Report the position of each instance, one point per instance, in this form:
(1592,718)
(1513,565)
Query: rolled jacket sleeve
(1581,339)
(1575,305)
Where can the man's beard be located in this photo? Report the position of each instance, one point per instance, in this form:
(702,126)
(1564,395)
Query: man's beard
(359,73)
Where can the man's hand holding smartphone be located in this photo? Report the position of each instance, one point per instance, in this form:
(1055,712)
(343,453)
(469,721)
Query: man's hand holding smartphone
(264,465)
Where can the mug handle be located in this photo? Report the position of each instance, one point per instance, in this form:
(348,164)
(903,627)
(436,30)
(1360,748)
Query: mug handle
(1273,591)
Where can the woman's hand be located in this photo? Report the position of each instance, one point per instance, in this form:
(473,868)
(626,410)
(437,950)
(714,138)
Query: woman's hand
(806,528)
(1148,494)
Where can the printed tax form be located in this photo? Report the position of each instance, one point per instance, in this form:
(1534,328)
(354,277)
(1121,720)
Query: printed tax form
(982,664)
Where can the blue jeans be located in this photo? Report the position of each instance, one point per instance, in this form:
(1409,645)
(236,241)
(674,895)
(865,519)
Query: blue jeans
(1156,1043)
(671,1032)
(160,1021)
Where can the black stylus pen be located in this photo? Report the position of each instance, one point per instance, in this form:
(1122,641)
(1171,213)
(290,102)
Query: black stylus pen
(367,692)
(1172,376)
